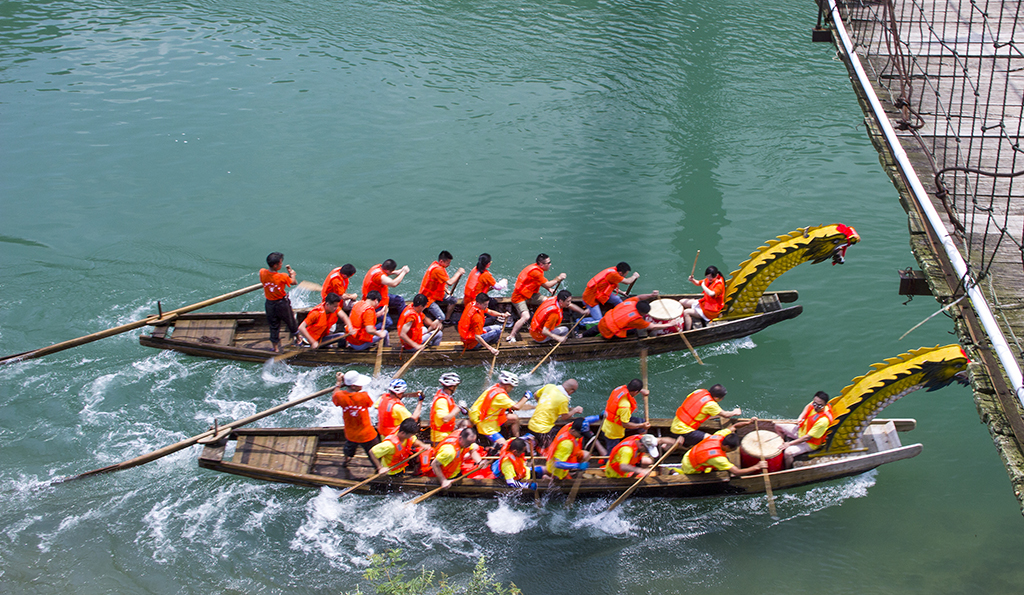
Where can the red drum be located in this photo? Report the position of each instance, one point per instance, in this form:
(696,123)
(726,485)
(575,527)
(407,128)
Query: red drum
(750,450)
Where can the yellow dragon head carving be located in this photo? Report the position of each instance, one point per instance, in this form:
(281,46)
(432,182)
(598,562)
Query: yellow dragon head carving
(928,367)
(748,283)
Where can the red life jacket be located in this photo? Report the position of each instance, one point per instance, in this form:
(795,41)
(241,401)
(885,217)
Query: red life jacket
(518,461)
(359,321)
(633,442)
(706,450)
(451,469)
(416,330)
(385,420)
(711,306)
(485,406)
(335,281)
(434,289)
(526,285)
(372,281)
(809,417)
(562,435)
(601,287)
(448,426)
(475,285)
(547,310)
(690,411)
(612,408)
(402,452)
(620,319)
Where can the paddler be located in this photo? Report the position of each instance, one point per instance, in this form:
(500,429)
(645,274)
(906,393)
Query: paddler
(808,434)
(337,281)
(471,325)
(362,329)
(435,286)
(697,407)
(618,411)
(710,303)
(480,280)
(395,452)
(566,452)
(632,456)
(316,327)
(443,409)
(411,327)
(552,407)
(390,410)
(511,466)
(277,305)
(711,454)
(447,456)
(355,410)
(546,320)
(627,319)
(529,281)
(378,279)
(490,411)
(603,290)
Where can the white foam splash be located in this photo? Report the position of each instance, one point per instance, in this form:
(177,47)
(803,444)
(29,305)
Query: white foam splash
(508,521)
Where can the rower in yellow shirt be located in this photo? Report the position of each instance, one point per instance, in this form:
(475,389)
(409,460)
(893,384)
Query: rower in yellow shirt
(490,411)
(711,454)
(697,407)
(552,407)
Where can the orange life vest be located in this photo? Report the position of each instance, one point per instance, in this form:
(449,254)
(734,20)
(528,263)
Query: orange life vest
(416,330)
(372,281)
(548,315)
(527,283)
(485,407)
(403,451)
(809,417)
(561,436)
(362,316)
(385,420)
(627,442)
(449,426)
(711,305)
(690,411)
(612,408)
(620,319)
(477,282)
(434,284)
(319,322)
(706,450)
(601,287)
(335,282)
(451,469)
(518,461)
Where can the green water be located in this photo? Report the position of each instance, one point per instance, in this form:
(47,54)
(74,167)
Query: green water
(158,151)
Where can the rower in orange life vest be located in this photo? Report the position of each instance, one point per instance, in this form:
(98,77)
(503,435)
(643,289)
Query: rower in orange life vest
(411,327)
(808,433)
(443,409)
(632,456)
(390,410)
(511,466)
(711,454)
(446,457)
(396,451)
(337,282)
(618,411)
(277,305)
(490,411)
(316,327)
(566,452)
(528,282)
(627,319)
(710,304)
(378,279)
(435,286)
(546,320)
(480,280)
(603,290)
(471,326)
(362,330)
(697,407)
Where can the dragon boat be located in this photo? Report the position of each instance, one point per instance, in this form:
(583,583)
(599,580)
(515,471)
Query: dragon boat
(245,336)
(856,442)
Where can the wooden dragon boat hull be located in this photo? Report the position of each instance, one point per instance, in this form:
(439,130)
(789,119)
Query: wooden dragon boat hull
(245,336)
(310,457)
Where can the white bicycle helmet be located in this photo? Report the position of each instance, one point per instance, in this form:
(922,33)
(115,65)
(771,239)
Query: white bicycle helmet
(450,379)
(398,386)
(506,377)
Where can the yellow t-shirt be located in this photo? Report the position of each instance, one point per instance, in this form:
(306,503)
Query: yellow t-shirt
(508,471)
(616,431)
(817,430)
(562,453)
(622,457)
(399,414)
(439,413)
(489,425)
(721,463)
(552,401)
(384,452)
(711,408)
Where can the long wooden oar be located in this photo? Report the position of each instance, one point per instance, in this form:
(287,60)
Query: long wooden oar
(380,345)
(557,344)
(423,497)
(636,484)
(690,347)
(165,317)
(643,377)
(494,359)
(767,480)
(629,287)
(290,354)
(209,434)
(579,478)
(406,365)
(310,286)
(378,474)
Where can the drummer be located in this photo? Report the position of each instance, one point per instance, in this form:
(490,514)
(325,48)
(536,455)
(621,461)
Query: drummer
(711,454)
(808,434)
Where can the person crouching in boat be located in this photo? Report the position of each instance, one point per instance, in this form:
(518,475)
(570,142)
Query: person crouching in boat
(390,410)
(546,320)
(603,290)
(711,454)
(619,411)
(628,318)
(808,434)
(710,303)
(447,457)
(443,409)
(316,327)
(697,407)
(355,410)
(552,407)
(362,328)
(471,325)
(566,452)
(490,411)
(632,456)
(395,452)
(511,466)
(411,325)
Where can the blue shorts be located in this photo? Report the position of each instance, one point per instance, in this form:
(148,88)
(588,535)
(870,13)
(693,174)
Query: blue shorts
(495,437)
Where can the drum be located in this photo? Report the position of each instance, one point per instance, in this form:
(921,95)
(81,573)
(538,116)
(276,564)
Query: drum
(750,450)
(665,310)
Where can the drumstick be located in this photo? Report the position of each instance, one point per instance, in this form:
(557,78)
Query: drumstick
(694,269)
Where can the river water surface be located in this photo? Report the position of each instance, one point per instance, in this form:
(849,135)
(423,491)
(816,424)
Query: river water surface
(157,151)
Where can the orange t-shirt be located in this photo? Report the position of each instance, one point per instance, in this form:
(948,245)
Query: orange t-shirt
(318,322)
(274,284)
(361,317)
(336,283)
(416,330)
(548,315)
(527,283)
(435,283)
(471,324)
(372,282)
(355,408)
(601,286)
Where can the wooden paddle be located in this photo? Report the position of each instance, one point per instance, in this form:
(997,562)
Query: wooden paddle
(423,497)
(406,365)
(690,347)
(290,354)
(310,286)
(579,479)
(557,344)
(636,484)
(494,359)
(380,345)
(629,288)
(209,435)
(149,320)
(767,480)
(378,474)
(643,376)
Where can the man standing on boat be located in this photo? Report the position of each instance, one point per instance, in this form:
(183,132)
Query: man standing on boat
(395,452)
(490,411)
(603,289)
(278,307)
(710,303)
(618,411)
(337,282)
(546,320)
(411,325)
(529,281)
(808,434)
(711,454)
(552,407)
(316,327)
(378,279)
(566,452)
(355,410)
(447,456)
(471,325)
(443,409)
(362,329)
(697,407)
(435,286)
(390,410)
